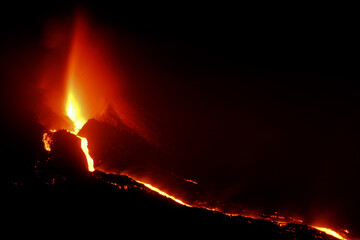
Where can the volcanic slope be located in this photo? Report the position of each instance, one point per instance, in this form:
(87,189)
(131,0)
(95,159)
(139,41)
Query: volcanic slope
(56,196)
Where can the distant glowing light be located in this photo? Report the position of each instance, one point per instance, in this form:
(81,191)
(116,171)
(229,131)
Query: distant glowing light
(191,181)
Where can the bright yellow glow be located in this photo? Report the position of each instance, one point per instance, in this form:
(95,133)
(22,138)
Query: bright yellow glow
(47,142)
(330,232)
(74,113)
(84,146)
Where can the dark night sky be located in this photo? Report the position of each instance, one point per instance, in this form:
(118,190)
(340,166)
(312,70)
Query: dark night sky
(258,103)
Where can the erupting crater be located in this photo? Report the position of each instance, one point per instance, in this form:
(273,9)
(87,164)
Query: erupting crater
(81,72)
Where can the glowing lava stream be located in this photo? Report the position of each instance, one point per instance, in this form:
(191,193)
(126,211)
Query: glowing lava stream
(163,193)
(73,114)
(84,147)
(330,232)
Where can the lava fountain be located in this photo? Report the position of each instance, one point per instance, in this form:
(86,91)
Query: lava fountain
(73,112)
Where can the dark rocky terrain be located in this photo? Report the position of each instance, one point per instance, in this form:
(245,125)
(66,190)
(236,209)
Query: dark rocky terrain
(52,194)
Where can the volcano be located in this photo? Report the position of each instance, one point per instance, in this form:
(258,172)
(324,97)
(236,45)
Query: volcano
(193,120)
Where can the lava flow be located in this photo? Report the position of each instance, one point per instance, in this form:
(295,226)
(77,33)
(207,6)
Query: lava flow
(73,113)
(163,193)
(78,123)
(331,232)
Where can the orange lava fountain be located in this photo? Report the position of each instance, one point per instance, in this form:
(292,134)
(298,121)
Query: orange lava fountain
(82,81)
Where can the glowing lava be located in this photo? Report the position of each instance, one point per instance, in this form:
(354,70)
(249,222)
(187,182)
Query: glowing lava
(47,140)
(331,232)
(84,147)
(73,112)
(163,193)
